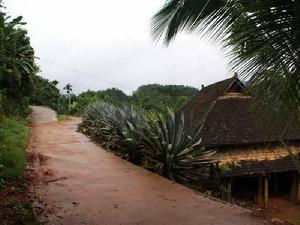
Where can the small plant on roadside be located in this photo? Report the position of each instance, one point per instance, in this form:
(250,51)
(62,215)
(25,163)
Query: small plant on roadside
(2,183)
(61,117)
(19,213)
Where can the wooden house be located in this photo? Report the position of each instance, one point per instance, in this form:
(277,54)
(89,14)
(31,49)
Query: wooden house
(250,153)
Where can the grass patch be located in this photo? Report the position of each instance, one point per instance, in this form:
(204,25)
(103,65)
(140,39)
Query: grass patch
(61,117)
(15,205)
(13,142)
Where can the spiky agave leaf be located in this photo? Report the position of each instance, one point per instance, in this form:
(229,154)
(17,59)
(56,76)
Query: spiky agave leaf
(113,128)
(173,148)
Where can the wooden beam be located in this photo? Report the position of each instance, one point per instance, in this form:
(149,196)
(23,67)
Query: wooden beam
(294,187)
(298,188)
(276,187)
(266,191)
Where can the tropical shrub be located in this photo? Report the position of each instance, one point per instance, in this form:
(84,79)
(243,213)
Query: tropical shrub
(164,143)
(45,93)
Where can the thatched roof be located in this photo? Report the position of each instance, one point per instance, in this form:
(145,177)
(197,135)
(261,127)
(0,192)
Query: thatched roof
(228,117)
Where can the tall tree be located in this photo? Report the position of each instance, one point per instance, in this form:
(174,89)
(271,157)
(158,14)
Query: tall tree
(17,65)
(69,90)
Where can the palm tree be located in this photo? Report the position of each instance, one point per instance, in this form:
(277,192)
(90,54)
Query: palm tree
(69,90)
(262,38)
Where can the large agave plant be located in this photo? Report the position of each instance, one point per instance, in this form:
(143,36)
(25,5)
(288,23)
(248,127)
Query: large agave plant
(110,125)
(173,148)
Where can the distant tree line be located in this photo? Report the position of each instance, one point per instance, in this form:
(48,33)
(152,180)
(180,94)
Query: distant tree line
(152,97)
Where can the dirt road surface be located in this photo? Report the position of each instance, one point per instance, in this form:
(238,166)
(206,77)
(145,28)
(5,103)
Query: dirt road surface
(84,184)
(42,114)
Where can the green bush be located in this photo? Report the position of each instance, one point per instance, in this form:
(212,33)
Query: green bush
(13,142)
(1,104)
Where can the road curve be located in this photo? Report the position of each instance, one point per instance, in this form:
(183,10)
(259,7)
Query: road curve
(42,114)
(87,185)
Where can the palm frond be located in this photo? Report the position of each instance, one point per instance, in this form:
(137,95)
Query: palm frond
(262,38)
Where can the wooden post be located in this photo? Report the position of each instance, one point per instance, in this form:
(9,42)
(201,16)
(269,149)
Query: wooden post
(298,188)
(266,191)
(260,192)
(276,188)
(224,190)
(229,187)
(295,188)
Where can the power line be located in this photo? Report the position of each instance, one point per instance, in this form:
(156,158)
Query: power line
(86,74)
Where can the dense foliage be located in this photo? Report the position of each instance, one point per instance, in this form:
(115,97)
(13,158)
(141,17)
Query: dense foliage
(17,66)
(152,97)
(159,97)
(164,143)
(111,95)
(45,93)
(17,73)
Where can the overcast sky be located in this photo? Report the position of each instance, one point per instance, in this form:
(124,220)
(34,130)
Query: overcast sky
(97,44)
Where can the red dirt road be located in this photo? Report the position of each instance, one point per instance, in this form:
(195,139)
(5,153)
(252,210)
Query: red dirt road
(88,185)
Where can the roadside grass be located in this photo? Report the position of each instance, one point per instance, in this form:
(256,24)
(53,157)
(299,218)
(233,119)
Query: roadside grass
(15,204)
(61,117)
(13,142)
(297,220)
